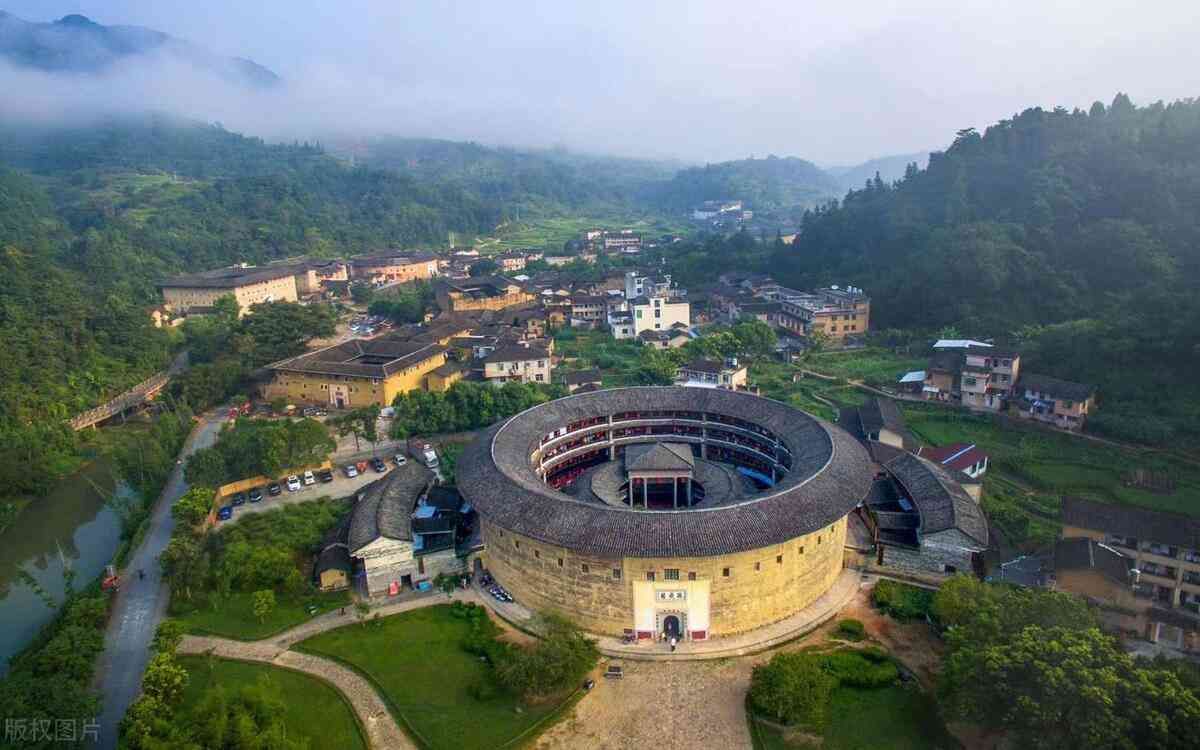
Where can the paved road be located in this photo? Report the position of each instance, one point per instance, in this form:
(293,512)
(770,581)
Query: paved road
(141,604)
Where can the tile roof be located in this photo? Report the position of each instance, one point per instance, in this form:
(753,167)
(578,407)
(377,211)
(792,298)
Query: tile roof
(363,358)
(1055,388)
(830,474)
(714,366)
(956,456)
(1084,553)
(943,503)
(582,376)
(1127,520)
(659,457)
(384,507)
(228,278)
(517,353)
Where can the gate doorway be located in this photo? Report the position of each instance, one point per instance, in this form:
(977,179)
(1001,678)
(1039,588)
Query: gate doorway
(671,627)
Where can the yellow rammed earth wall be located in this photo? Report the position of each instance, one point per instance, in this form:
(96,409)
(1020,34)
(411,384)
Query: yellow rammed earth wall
(300,388)
(763,585)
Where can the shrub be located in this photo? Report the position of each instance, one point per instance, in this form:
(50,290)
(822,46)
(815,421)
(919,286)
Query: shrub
(793,688)
(854,669)
(851,630)
(902,601)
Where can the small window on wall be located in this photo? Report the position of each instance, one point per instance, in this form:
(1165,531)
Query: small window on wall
(584,567)
(537,554)
(649,575)
(725,572)
(560,562)
(757,566)
(779,559)
(671,574)
(818,539)
(802,549)
(616,574)
(516,544)
(692,576)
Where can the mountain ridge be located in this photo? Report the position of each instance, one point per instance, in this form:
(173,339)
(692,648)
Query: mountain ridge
(78,45)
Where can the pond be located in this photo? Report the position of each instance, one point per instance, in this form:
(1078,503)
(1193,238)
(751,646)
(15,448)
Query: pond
(71,527)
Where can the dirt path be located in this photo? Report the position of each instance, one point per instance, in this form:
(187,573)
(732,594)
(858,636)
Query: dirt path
(382,730)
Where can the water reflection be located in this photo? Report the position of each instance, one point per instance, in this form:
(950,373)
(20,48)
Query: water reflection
(72,525)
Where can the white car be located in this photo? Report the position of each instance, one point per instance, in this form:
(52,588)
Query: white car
(400,459)
(293,483)
(351,470)
(309,478)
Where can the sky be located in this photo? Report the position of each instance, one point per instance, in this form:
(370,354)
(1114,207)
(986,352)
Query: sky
(837,83)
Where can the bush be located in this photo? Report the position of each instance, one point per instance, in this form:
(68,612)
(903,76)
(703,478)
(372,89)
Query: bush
(794,689)
(902,601)
(854,669)
(851,630)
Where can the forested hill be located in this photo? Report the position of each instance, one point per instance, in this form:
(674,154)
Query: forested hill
(888,168)
(768,184)
(1077,233)
(537,181)
(91,219)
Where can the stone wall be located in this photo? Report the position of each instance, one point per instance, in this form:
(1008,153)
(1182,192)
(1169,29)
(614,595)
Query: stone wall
(747,589)
(936,553)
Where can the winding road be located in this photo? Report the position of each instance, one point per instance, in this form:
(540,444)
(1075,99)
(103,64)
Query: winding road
(141,604)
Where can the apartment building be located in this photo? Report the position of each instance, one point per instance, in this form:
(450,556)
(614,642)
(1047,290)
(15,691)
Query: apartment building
(625,241)
(587,310)
(659,313)
(1163,572)
(989,376)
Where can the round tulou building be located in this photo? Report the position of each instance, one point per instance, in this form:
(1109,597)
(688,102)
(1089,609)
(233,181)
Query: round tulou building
(682,511)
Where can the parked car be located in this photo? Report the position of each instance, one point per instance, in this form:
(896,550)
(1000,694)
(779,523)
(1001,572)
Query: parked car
(589,684)
(225,513)
(325,475)
(239,499)
(274,489)
(309,479)
(293,483)
(399,459)
(256,495)
(614,671)
(361,466)
(351,470)
(309,411)
(378,465)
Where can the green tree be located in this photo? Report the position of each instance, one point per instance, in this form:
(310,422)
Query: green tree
(793,688)
(206,469)
(193,507)
(164,680)
(263,604)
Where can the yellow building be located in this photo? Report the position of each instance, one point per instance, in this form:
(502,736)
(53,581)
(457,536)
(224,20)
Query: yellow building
(387,267)
(665,512)
(355,373)
(481,293)
(249,285)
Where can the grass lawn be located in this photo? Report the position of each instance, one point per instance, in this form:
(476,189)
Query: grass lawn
(874,366)
(897,717)
(314,710)
(234,616)
(418,663)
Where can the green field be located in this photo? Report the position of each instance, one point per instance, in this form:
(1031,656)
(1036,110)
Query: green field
(315,711)
(616,359)
(813,395)
(873,366)
(549,233)
(233,616)
(417,661)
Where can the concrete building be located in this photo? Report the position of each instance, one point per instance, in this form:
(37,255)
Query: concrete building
(1163,550)
(672,338)
(249,285)
(646,285)
(518,364)
(355,373)
(713,373)
(665,512)
(659,313)
(510,262)
(1058,402)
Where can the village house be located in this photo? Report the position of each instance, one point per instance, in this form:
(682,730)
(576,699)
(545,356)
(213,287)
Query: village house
(480,293)
(672,338)
(511,261)
(518,364)
(713,373)
(880,420)
(402,531)
(580,379)
(922,520)
(355,373)
(626,241)
(646,285)
(1058,402)
(197,293)
(587,310)
(714,208)
(1142,567)
(659,313)
(964,458)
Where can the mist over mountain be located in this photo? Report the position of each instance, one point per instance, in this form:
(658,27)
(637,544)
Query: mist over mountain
(76,44)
